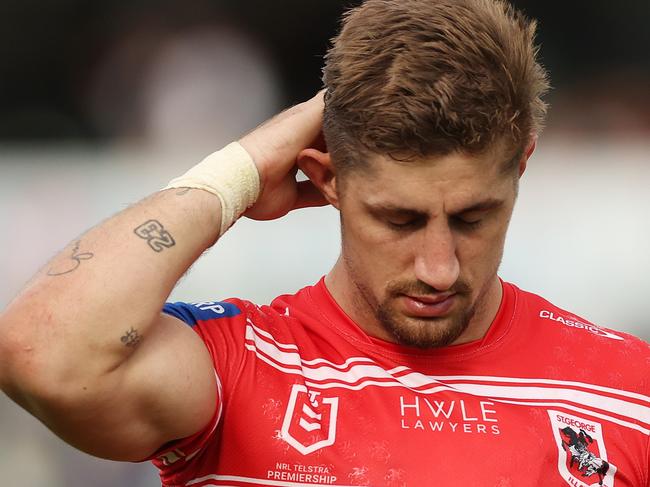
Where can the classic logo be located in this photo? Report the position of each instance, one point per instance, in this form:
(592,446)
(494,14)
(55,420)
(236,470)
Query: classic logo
(582,459)
(310,420)
(575,323)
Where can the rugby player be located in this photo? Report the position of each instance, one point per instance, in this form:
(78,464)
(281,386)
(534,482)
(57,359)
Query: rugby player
(411,363)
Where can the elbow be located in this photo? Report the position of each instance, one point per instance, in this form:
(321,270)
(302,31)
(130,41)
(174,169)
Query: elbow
(12,375)
(49,373)
(9,346)
(31,383)
(44,377)
(27,374)
(4,364)
(17,362)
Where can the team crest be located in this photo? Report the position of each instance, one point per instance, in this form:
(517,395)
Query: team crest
(310,420)
(582,460)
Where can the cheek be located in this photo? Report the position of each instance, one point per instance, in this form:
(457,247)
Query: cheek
(375,252)
(480,255)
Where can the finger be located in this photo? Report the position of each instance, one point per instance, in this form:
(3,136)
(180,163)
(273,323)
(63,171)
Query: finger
(309,196)
(275,144)
(305,121)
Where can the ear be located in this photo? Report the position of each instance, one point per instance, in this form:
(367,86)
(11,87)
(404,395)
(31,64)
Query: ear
(532,145)
(318,167)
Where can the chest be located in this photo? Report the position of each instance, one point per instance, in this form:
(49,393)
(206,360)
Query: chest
(359,427)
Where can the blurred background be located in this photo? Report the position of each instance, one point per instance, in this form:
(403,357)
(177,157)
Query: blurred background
(101,103)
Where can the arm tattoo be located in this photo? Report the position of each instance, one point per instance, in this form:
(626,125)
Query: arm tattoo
(155,234)
(131,338)
(76,258)
(183,191)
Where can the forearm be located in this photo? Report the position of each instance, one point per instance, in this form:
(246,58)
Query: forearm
(86,310)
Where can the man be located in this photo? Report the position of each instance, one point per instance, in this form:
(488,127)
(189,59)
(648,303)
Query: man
(411,362)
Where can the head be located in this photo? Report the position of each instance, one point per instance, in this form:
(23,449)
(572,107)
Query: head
(431,112)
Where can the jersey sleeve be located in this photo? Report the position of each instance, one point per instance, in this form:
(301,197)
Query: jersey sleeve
(221,325)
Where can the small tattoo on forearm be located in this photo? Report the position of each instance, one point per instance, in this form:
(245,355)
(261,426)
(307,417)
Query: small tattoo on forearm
(131,338)
(183,191)
(76,259)
(156,236)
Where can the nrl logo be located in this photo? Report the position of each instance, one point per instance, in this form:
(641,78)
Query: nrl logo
(582,459)
(310,420)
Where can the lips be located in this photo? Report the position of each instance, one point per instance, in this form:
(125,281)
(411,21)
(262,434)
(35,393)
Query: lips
(428,306)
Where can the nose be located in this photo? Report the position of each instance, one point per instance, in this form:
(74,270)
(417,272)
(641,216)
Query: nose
(436,262)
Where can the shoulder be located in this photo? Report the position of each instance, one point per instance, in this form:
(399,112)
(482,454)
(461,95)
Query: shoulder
(235,315)
(230,317)
(550,316)
(194,313)
(576,342)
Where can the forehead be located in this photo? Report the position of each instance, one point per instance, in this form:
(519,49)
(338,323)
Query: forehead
(454,181)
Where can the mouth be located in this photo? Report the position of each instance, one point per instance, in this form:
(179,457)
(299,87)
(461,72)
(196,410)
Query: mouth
(427,306)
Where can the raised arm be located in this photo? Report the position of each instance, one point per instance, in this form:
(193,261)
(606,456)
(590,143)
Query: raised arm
(84,347)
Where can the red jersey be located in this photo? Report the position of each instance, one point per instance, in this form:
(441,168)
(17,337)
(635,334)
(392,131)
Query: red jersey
(306,398)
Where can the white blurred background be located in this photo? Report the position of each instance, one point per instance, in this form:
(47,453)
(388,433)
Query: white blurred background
(102,103)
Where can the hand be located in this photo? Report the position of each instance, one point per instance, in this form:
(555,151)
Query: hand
(274,146)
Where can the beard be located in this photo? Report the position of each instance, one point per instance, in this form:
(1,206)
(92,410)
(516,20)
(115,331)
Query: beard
(424,332)
(420,332)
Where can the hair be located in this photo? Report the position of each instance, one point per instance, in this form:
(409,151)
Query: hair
(417,78)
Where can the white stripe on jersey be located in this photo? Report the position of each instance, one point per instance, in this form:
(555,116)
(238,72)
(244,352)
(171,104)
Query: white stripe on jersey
(620,422)
(360,372)
(250,480)
(254,333)
(516,380)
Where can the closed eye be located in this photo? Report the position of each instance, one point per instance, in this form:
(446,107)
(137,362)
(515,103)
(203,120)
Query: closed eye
(466,223)
(407,224)
(399,219)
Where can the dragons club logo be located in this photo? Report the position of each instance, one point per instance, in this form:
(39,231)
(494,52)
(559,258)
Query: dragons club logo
(310,420)
(582,457)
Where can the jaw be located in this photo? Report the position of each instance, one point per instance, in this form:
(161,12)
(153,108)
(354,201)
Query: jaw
(485,308)
(362,307)
(426,333)
(346,291)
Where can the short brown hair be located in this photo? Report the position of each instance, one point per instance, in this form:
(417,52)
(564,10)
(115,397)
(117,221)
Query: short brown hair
(418,78)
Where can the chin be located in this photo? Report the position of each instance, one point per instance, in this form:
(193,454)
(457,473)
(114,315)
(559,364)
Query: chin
(424,333)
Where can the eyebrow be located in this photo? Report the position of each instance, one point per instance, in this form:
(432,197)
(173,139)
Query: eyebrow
(392,209)
(487,204)
(484,205)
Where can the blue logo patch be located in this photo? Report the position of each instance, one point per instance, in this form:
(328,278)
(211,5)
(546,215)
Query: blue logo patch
(209,310)
(191,313)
